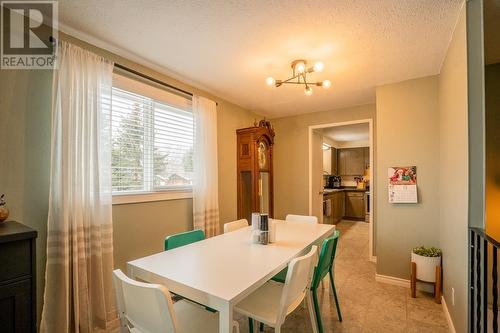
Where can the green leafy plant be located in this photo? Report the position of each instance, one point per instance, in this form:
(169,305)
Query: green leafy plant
(428,251)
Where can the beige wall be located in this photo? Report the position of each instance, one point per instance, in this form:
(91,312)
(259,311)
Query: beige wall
(407,134)
(25,102)
(453,170)
(25,117)
(291,155)
(423,122)
(139,229)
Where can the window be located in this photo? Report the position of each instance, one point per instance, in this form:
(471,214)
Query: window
(152,138)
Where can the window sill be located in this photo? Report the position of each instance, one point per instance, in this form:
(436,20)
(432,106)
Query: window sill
(121,199)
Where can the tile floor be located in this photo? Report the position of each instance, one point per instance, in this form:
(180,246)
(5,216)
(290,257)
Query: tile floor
(367,306)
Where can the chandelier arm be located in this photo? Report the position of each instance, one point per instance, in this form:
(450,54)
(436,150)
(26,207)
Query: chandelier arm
(303,83)
(288,80)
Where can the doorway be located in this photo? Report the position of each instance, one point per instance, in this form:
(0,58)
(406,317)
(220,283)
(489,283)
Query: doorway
(341,180)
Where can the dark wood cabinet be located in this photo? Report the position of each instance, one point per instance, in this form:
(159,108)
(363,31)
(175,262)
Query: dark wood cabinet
(353,161)
(17,278)
(341,161)
(335,169)
(338,206)
(355,205)
(255,170)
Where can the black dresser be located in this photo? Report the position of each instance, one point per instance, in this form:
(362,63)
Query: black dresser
(17,278)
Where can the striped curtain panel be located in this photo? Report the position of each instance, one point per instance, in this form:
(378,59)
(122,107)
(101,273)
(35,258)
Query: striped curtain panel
(78,289)
(205,183)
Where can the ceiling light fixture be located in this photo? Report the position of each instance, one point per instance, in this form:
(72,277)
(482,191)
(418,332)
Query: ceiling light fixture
(299,76)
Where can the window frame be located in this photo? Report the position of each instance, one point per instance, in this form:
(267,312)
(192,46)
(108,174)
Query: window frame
(160,193)
(139,197)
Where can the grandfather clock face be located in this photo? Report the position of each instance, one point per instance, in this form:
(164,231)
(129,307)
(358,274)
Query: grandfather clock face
(262,154)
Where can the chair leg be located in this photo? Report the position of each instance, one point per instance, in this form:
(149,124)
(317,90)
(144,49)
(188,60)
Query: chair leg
(261,327)
(250,325)
(314,311)
(317,311)
(335,296)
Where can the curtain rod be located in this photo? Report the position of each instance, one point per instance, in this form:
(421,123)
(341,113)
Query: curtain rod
(150,78)
(133,71)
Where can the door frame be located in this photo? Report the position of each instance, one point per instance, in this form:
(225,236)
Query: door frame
(311,128)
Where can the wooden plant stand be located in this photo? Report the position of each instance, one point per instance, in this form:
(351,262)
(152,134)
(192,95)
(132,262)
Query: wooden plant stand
(437,284)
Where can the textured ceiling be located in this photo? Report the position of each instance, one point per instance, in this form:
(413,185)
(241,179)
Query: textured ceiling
(230,47)
(355,132)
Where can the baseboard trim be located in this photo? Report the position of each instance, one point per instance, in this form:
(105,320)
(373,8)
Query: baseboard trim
(392,280)
(447,315)
(373,259)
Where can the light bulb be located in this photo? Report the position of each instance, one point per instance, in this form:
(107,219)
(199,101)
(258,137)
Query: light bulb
(308,91)
(319,66)
(300,67)
(270,81)
(326,84)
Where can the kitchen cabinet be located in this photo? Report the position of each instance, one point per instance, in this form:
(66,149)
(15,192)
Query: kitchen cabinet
(327,209)
(338,200)
(327,161)
(335,200)
(334,161)
(352,161)
(341,161)
(355,205)
(330,161)
(366,153)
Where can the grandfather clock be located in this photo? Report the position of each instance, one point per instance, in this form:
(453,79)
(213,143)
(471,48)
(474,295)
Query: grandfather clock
(255,170)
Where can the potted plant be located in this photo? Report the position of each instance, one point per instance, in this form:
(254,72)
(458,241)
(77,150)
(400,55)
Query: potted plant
(4,212)
(426,259)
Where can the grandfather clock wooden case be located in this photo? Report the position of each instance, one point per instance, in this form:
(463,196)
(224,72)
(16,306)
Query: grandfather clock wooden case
(255,170)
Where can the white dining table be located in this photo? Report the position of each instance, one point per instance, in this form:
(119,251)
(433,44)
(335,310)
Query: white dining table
(219,272)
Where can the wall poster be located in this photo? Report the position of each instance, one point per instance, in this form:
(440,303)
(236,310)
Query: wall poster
(402,184)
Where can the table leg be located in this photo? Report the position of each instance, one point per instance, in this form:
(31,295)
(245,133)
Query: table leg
(437,286)
(226,319)
(413,283)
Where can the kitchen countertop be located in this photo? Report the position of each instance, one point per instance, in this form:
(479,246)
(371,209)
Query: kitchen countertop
(344,189)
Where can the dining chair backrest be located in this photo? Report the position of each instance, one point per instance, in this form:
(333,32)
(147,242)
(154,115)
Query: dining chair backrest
(183,238)
(147,307)
(301,218)
(298,279)
(235,225)
(326,258)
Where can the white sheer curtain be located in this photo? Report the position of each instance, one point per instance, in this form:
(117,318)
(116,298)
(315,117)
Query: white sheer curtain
(78,289)
(205,185)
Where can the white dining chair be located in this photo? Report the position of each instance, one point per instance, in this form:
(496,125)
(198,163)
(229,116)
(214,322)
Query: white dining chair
(235,225)
(304,218)
(301,218)
(271,303)
(148,308)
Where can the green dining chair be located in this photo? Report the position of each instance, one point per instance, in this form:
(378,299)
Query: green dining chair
(183,238)
(325,266)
